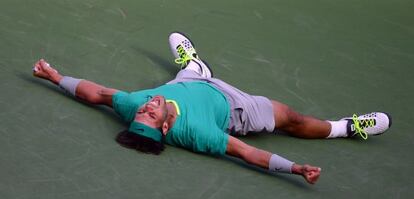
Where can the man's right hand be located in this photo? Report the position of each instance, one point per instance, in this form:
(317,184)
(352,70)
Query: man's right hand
(310,173)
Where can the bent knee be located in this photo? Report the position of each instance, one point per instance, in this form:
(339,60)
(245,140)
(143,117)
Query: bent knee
(286,116)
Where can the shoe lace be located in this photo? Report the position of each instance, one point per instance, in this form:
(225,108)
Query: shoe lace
(183,57)
(360,124)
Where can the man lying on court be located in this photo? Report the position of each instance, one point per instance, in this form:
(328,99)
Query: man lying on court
(204,114)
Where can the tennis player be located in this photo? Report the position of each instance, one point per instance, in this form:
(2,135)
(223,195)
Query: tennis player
(204,114)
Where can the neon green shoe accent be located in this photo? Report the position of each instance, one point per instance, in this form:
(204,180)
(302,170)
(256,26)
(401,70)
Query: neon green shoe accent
(360,124)
(184,57)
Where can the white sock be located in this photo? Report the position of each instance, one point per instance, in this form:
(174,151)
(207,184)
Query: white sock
(338,129)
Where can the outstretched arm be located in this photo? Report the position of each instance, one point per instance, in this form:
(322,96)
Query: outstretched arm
(86,90)
(261,158)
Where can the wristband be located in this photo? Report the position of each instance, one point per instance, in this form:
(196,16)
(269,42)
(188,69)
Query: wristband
(280,164)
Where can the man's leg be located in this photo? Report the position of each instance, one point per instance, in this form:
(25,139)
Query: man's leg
(299,125)
(86,90)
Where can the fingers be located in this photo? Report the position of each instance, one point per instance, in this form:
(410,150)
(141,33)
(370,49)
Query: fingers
(311,168)
(41,64)
(36,66)
(311,173)
(312,176)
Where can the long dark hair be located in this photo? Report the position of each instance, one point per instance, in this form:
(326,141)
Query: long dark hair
(140,143)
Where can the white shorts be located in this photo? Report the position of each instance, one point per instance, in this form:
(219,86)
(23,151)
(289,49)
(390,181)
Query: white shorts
(248,113)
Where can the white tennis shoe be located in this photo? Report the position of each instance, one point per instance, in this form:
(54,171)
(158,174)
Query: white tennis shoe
(374,123)
(185,53)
